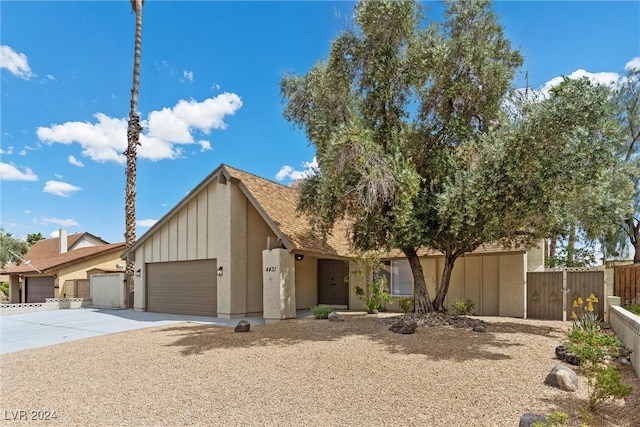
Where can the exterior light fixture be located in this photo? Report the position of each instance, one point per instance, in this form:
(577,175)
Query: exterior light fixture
(299,257)
(220,271)
(138,273)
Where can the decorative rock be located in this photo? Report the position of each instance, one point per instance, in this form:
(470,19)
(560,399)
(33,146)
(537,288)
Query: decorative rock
(570,358)
(335,317)
(404,326)
(243,326)
(561,352)
(562,378)
(480,328)
(530,419)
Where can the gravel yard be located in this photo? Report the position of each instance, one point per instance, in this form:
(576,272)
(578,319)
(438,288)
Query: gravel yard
(301,372)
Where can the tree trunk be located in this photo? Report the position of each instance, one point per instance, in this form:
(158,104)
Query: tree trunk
(422,300)
(133,140)
(450,259)
(571,245)
(634,237)
(552,245)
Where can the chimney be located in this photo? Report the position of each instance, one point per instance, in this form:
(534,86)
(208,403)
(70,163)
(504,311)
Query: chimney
(63,240)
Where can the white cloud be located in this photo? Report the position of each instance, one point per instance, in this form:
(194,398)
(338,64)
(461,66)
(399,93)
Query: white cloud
(58,175)
(188,75)
(204,145)
(62,189)
(146,222)
(61,222)
(10,172)
(26,212)
(75,161)
(51,77)
(22,153)
(106,139)
(15,62)
(8,152)
(310,169)
(634,64)
(604,78)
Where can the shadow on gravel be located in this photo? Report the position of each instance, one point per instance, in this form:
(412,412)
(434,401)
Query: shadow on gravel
(436,343)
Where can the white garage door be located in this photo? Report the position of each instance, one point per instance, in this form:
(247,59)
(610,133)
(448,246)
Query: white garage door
(39,288)
(182,287)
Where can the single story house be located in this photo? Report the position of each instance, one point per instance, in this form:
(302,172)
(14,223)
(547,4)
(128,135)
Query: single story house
(235,246)
(52,267)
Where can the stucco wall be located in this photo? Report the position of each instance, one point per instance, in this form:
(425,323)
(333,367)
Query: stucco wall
(79,270)
(257,233)
(306,282)
(279,291)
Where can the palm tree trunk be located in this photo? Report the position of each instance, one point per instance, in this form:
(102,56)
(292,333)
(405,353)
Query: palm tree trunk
(133,140)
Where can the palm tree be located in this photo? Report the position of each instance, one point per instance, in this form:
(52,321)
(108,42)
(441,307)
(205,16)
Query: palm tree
(133,140)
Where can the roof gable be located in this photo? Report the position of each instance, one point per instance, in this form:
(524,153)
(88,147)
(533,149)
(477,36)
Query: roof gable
(276,204)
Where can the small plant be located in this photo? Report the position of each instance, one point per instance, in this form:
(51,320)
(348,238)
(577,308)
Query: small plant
(321,311)
(462,307)
(406,304)
(583,316)
(555,419)
(375,294)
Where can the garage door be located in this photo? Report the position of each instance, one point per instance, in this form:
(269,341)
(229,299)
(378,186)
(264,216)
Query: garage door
(39,288)
(183,287)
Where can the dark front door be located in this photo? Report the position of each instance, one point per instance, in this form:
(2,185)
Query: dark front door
(333,288)
(38,289)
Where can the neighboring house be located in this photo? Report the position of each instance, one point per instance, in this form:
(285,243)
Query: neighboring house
(236,246)
(52,267)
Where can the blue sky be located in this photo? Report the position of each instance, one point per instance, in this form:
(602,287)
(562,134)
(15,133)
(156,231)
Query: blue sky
(209,93)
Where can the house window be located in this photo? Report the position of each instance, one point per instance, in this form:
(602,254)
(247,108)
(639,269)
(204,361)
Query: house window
(399,278)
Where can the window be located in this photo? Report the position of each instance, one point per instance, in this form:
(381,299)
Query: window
(399,278)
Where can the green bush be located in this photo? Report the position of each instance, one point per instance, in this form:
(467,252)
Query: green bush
(4,288)
(406,304)
(321,311)
(594,347)
(375,294)
(634,308)
(461,307)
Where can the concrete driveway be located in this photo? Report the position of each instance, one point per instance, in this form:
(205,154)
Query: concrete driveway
(31,330)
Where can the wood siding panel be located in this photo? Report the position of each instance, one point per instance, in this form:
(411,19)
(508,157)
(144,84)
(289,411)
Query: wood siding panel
(164,243)
(544,295)
(192,230)
(203,226)
(173,239)
(490,286)
(182,241)
(473,281)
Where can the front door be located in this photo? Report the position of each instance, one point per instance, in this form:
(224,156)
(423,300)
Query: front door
(333,288)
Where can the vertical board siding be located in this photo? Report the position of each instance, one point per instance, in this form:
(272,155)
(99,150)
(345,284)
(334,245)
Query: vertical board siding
(192,229)
(626,283)
(203,230)
(182,240)
(544,295)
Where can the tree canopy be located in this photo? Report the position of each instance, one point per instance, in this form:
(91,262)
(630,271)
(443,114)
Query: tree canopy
(10,247)
(420,144)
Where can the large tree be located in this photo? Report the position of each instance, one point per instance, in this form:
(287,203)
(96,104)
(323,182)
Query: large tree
(11,249)
(416,145)
(628,102)
(133,140)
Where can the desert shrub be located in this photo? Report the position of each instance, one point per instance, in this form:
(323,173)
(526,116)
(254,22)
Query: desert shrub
(406,304)
(462,307)
(321,311)
(593,347)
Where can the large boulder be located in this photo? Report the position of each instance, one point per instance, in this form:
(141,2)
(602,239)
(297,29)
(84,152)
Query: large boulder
(404,326)
(563,378)
(243,326)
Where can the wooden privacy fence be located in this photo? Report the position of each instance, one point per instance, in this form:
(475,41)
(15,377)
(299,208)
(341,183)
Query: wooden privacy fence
(550,294)
(626,283)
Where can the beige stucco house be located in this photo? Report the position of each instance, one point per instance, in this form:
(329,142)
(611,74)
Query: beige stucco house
(236,246)
(52,267)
